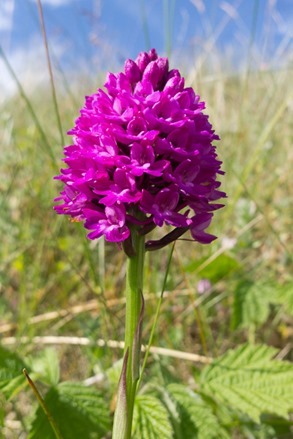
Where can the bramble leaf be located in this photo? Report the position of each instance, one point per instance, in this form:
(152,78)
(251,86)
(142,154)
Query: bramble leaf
(248,380)
(11,377)
(251,305)
(150,419)
(252,302)
(195,418)
(46,366)
(78,411)
(284,297)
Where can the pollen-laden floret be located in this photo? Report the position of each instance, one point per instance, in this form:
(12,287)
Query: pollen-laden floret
(142,155)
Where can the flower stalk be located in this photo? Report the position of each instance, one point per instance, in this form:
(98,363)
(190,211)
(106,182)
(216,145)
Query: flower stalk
(133,323)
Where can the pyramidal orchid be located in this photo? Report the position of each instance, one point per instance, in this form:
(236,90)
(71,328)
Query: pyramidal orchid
(142,157)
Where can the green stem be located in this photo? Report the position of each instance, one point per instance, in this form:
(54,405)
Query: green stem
(154,326)
(43,405)
(54,96)
(133,320)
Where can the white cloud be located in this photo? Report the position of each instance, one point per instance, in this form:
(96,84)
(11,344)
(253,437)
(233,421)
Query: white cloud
(30,66)
(6,14)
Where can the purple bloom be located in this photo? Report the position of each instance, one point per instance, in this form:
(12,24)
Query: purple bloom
(110,223)
(142,156)
(162,207)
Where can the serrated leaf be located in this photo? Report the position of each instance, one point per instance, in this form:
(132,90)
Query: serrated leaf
(46,366)
(251,305)
(284,297)
(78,411)
(252,302)
(150,419)
(195,417)
(249,381)
(11,377)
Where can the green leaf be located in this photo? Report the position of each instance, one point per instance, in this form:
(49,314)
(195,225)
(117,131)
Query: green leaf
(150,419)
(46,367)
(248,380)
(284,296)
(11,377)
(78,411)
(195,418)
(252,302)
(271,427)
(221,266)
(251,305)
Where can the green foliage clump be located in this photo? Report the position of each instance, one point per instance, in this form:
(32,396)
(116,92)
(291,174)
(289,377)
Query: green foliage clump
(245,389)
(77,410)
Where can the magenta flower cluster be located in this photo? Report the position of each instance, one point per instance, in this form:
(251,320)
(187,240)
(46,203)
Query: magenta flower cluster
(142,156)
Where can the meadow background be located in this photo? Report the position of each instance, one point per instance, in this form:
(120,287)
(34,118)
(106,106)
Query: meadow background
(61,296)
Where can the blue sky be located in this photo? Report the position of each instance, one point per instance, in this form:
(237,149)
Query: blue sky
(100,34)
